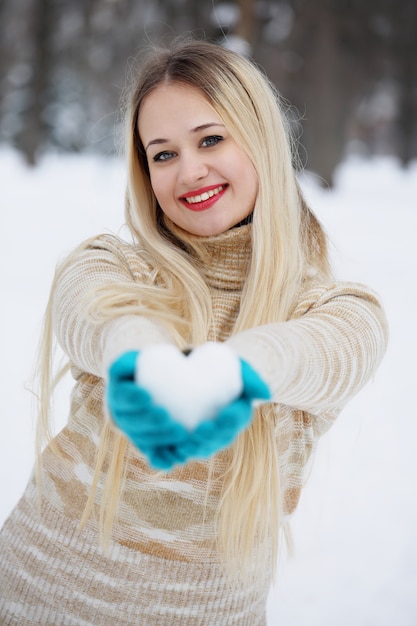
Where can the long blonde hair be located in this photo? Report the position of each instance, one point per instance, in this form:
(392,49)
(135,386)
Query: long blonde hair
(286,237)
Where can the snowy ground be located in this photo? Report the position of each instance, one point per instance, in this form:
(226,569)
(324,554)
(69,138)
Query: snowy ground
(356,527)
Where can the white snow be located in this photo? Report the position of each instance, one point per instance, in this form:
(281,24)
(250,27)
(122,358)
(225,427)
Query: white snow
(184,384)
(355,530)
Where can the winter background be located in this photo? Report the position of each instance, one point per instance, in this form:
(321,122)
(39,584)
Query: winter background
(355,530)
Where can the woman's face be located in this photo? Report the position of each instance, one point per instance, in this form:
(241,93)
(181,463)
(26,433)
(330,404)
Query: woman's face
(202,179)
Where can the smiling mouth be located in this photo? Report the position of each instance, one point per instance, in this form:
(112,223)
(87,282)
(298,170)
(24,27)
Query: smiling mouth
(206,195)
(204,200)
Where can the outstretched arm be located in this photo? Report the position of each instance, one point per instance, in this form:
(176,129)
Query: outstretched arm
(317,361)
(93,346)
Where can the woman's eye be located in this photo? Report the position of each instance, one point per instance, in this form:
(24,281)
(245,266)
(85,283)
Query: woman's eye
(212,140)
(163,156)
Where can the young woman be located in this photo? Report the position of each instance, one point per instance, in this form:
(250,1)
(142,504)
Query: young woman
(143,520)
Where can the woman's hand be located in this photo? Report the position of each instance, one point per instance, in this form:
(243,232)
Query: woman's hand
(160,433)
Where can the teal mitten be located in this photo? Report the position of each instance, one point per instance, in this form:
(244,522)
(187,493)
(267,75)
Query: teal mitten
(175,407)
(133,411)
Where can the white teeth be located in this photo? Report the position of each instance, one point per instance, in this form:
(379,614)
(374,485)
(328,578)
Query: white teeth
(204,196)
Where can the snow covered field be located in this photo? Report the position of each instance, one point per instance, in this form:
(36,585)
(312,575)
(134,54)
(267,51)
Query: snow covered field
(355,530)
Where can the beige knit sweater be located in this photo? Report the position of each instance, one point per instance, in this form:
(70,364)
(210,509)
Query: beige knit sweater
(162,569)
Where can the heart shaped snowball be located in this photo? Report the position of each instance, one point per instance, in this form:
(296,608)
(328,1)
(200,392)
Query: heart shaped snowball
(192,388)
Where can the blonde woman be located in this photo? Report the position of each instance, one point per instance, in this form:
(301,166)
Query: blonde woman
(135,518)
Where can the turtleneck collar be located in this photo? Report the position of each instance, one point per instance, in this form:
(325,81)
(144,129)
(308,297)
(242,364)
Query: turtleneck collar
(224,259)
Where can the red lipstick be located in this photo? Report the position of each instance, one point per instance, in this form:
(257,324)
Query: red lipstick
(203,198)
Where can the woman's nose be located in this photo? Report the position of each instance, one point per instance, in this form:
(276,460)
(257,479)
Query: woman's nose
(192,169)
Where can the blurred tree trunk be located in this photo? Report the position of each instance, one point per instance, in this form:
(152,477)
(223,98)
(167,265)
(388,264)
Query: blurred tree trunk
(407,121)
(324,85)
(34,127)
(246,27)
(4,56)
(405,48)
(5,65)
(325,105)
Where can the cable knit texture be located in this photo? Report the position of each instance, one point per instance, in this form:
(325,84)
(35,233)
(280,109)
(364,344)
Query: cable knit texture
(162,568)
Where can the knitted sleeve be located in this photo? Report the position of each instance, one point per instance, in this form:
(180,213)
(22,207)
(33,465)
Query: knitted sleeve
(321,357)
(89,345)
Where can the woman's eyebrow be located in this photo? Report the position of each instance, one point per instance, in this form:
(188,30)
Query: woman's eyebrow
(156,141)
(204,126)
(193,130)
